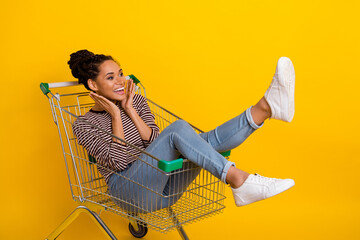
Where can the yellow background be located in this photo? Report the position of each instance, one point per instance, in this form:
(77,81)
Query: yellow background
(207,61)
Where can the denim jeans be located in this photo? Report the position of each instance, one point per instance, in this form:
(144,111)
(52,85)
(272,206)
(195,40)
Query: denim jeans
(178,139)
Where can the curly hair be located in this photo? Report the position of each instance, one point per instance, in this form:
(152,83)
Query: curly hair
(85,64)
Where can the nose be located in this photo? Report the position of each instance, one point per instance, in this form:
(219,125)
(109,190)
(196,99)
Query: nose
(121,80)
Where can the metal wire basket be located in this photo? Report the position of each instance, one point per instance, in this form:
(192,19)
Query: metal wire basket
(204,196)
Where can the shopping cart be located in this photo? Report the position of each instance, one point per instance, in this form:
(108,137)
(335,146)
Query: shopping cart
(204,197)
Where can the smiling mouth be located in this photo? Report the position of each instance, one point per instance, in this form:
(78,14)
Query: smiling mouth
(119,90)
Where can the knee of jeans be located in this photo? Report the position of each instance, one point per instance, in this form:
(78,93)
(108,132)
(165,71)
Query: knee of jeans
(180,124)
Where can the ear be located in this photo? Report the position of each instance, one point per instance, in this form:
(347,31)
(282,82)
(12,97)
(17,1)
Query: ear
(92,84)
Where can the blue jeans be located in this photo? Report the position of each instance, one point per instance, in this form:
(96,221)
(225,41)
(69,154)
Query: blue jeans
(178,139)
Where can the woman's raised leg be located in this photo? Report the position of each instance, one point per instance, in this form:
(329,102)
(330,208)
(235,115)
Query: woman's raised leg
(278,103)
(232,133)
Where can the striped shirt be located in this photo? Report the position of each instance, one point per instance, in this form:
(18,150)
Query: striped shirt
(112,155)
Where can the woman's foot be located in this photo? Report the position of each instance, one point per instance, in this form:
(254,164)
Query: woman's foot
(281,93)
(257,187)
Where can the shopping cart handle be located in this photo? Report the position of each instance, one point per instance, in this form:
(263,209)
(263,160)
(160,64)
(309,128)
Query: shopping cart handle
(92,159)
(44,88)
(168,166)
(226,154)
(135,80)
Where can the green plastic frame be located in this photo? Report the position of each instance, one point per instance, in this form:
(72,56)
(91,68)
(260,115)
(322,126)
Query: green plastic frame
(44,88)
(135,80)
(168,166)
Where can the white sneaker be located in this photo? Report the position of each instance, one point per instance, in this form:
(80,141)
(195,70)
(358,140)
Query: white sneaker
(280,94)
(257,187)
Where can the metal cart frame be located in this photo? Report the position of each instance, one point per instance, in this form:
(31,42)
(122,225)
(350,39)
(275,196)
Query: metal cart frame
(204,197)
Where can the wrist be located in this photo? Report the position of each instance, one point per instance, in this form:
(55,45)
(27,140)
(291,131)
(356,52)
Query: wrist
(116,116)
(130,110)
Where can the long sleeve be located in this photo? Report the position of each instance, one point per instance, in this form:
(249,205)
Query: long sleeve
(145,113)
(97,141)
(109,154)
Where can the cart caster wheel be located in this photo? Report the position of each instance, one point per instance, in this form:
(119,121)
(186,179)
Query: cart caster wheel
(140,233)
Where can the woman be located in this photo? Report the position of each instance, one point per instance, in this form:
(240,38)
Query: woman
(127,116)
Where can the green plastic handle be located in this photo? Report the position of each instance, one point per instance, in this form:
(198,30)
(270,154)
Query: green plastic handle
(92,159)
(168,166)
(44,88)
(226,154)
(135,80)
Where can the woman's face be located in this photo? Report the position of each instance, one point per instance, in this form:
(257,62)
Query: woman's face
(110,82)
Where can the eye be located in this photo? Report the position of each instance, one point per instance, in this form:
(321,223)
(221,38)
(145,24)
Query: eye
(110,78)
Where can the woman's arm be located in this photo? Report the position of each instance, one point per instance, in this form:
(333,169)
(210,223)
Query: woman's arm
(116,123)
(141,116)
(108,153)
(143,128)
(117,129)
(147,117)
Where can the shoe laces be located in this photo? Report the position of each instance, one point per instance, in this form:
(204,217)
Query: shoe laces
(264,180)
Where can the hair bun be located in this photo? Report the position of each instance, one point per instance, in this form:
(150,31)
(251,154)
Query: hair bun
(76,59)
(85,65)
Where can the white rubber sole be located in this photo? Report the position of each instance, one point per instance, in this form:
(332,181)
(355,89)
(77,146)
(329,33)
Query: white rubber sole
(287,184)
(285,73)
(287,79)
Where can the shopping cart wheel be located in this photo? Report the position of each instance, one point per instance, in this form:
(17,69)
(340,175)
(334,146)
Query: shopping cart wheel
(141,232)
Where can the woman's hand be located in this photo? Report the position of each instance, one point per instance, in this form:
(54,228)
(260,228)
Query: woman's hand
(127,103)
(103,103)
